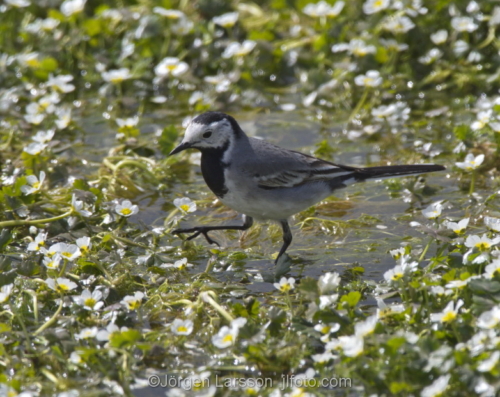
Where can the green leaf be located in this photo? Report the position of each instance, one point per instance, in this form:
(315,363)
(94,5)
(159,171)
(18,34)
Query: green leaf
(125,338)
(352,298)
(167,139)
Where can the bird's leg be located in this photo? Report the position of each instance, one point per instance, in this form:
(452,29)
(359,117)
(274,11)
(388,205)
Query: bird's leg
(287,238)
(248,221)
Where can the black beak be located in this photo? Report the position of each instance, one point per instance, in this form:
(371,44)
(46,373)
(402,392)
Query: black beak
(180,148)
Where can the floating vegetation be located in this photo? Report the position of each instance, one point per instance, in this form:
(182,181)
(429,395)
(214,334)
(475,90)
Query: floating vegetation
(391,288)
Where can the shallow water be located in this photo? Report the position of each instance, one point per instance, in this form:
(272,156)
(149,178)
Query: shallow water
(313,252)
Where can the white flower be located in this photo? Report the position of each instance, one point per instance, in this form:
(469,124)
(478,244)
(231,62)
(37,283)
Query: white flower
(492,269)
(373,6)
(366,327)
(383,310)
(495,17)
(35,148)
(116,75)
(88,300)
(18,3)
(328,282)
(181,327)
(221,82)
(326,329)
(482,243)
(459,47)
(75,358)
(181,264)
(371,79)
(440,291)
(5,292)
(38,242)
(352,346)
(439,37)
(436,388)
(171,66)
(84,243)
(398,24)
(226,20)
(52,262)
(104,334)
(492,223)
(326,301)
(225,337)
(355,47)
(79,207)
(60,83)
(126,208)
(397,253)
(70,7)
(133,302)
(323,9)
(463,24)
(183,26)
(402,269)
(31,59)
(471,163)
(489,319)
(185,204)
(433,210)
(67,251)
(433,55)
(322,358)
(87,333)
(34,184)
(170,14)
(130,122)
(449,313)
(393,45)
(458,227)
(285,284)
(490,363)
(61,284)
(236,49)
(64,117)
(43,136)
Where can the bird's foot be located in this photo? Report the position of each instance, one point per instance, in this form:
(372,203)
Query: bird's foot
(196,232)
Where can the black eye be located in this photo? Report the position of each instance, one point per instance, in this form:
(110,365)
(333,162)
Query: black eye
(207,134)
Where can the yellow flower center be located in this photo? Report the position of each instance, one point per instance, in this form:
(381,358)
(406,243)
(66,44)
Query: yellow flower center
(185,207)
(126,211)
(450,316)
(182,328)
(397,276)
(134,305)
(90,302)
(482,246)
(34,63)
(285,288)
(66,254)
(378,3)
(52,265)
(228,338)
(117,79)
(62,287)
(325,329)
(36,185)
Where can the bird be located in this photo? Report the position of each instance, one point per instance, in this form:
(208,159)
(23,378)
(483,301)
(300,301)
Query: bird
(267,182)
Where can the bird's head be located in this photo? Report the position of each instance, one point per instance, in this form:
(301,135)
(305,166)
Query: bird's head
(210,130)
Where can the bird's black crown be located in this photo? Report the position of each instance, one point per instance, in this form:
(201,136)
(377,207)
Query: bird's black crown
(208,118)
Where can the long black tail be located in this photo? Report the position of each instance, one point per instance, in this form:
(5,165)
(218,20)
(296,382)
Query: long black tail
(387,171)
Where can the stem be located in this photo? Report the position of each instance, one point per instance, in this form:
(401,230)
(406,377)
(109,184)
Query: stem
(359,105)
(52,320)
(208,299)
(20,222)
(420,259)
(472,182)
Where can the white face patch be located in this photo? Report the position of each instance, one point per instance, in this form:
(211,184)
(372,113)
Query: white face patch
(214,135)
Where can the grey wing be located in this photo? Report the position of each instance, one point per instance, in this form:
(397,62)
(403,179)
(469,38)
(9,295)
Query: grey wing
(287,168)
